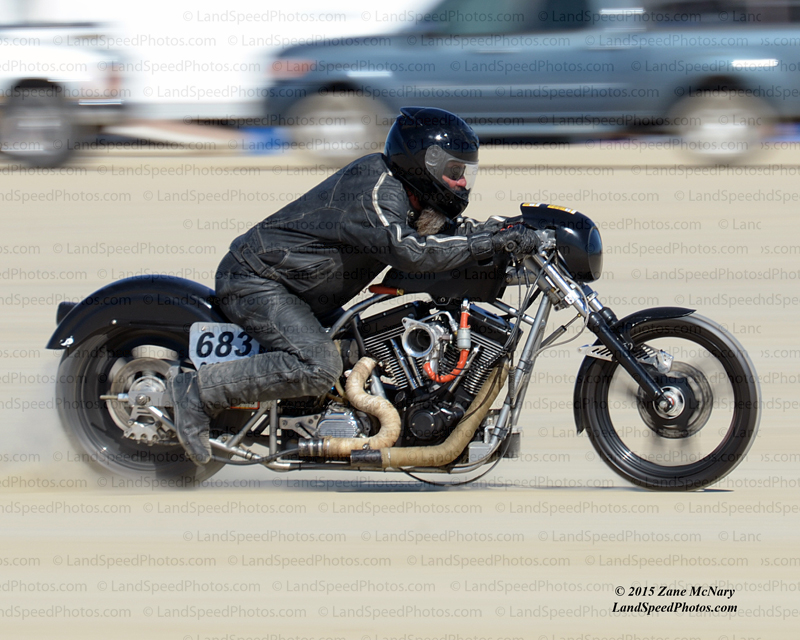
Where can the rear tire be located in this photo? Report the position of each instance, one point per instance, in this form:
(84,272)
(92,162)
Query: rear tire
(717,127)
(94,368)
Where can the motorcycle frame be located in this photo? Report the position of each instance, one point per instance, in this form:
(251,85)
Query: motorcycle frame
(558,291)
(515,395)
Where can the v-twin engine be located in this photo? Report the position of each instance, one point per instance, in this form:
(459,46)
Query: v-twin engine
(411,341)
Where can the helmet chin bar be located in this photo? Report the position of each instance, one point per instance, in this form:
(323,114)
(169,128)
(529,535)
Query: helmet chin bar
(442,200)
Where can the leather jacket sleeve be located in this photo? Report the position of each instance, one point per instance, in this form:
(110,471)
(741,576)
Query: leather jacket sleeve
(467,226)
(385,228)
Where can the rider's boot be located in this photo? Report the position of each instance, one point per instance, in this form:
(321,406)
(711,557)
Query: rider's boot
(191,422)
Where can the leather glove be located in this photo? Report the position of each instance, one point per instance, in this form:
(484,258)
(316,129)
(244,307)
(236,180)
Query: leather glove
(517,239)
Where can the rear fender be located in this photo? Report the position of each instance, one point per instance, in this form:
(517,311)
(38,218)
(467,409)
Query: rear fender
(160,302)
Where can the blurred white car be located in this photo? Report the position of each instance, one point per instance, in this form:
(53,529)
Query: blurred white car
(52,93)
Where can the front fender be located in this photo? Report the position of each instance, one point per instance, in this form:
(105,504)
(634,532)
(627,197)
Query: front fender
(623,328)
(143,301)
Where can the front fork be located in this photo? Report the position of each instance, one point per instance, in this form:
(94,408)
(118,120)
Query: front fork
(598,318)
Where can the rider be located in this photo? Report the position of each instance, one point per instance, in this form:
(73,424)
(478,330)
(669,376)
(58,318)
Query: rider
(290,273)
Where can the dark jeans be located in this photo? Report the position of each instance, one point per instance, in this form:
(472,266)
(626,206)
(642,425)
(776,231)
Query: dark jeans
(301,359)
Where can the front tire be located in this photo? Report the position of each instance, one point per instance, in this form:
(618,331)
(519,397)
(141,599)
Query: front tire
(711,429)
(109,364)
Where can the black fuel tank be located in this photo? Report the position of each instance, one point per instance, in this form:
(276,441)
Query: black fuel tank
(577,237)
(483,283)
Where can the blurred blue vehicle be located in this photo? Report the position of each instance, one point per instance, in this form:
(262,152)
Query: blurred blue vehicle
(718,74)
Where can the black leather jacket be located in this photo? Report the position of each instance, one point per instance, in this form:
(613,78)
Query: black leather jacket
(330,243)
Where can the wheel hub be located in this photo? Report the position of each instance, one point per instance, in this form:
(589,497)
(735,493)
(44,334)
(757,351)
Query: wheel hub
(674,401)
(141,379)
(689,400)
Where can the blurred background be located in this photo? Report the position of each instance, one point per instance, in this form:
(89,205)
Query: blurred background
(719,76)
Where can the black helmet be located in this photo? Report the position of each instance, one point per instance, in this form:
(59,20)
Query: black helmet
(435,154)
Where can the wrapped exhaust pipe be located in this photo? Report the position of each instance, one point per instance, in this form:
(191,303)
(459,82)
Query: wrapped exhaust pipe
(450,449)
(381,408)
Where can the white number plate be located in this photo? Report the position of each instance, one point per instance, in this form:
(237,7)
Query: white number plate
(219,342)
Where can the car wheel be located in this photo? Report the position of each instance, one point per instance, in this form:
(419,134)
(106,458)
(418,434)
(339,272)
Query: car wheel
(37,128)
(722,127)
(338,126)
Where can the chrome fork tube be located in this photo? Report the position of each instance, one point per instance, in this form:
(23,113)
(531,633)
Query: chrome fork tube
(522,374)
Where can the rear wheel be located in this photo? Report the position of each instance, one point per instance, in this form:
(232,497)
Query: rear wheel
(115,436)
(713,421)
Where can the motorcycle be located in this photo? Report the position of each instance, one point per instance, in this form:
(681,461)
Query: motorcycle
(669,399)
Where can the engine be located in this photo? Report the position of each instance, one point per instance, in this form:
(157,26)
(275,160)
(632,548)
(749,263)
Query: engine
(418,348)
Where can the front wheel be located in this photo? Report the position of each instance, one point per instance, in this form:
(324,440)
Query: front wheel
(715,412)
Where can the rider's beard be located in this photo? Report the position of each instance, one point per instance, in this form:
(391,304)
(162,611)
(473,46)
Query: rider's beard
(430,222)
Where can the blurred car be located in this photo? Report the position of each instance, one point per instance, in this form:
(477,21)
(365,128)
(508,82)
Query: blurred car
(718,74)
(51,93)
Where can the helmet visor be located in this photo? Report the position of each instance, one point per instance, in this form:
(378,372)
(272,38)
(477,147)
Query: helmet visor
(454,173)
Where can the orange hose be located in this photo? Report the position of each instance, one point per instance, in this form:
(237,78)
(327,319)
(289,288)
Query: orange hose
(462,358)
(464,324)
(462,361)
